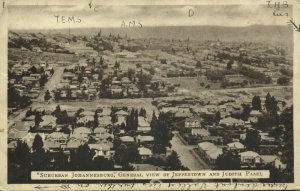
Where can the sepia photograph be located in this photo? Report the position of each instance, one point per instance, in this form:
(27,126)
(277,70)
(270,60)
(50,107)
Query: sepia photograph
(138,88)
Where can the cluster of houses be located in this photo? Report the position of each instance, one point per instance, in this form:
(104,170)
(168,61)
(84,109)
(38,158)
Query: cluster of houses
(84,80)
(223,132)
(248,159)
(70,88)
(100,138)
(25,81)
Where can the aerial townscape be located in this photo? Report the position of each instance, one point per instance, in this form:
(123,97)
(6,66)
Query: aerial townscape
(113,101)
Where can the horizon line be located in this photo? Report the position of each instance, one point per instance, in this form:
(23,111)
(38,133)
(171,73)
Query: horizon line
(114,27)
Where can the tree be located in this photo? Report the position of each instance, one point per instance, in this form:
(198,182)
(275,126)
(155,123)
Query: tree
(22,154)
(252,140)
(80,78)
(286,118)
(256,103)
(271,105)
(162,132)
(144,79)
(198,64)
(43,79)
(19,166)
(173,162)
(143,112)
(33,70)
(229,160)
(229,65)
(246,112)
(40,158)
(57,111)
(152,70)
(69,93)
(83,159)
(284,80)
(117,65)
(47,96)
(38,143)
(218,117)
(57,95)
(114,118)
(277,132)
(153,123)
(130,73)
(125,155)
(60,160)
(52,72)
(101,163)
(96,121)
(37,119)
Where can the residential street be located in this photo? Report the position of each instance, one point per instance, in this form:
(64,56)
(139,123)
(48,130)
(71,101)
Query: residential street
(186,157)
(50,85)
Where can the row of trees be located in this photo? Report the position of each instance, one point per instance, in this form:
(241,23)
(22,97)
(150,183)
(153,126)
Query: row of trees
(161,127)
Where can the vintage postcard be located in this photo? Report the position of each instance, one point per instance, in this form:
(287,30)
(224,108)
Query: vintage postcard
(149,95)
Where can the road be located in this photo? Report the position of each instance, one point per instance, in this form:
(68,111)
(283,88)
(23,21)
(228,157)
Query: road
(50,85)
(186,157)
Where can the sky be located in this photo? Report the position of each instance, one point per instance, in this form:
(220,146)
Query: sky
(44,17)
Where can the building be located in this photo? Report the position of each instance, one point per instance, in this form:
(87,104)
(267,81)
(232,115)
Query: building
(143,125)
(236,146)
(250,159)
(145,153)
(209,152)
(192,122)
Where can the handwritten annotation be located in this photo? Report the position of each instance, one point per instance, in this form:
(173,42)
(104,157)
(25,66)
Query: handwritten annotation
(67,19)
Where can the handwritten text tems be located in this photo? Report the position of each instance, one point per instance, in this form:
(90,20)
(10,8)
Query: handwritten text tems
(67,19)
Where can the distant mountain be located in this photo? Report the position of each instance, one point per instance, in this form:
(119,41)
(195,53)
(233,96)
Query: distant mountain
(254,33)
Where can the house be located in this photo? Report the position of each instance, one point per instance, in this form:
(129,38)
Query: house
(100,130)
(200,132)
(59,137)
(274,160)
(125,82)
(82,131)
(85,120)
(230,122)
(250,159)
(121,113)
(102,134)
(104,121)
(116,90)
(143,125)
(47,125)
(147,139)
(209,152)
(127,139)
(103,149)
(73,144)
(236,146)
(192,122)
(14,135)
(52,145)
(145,153)
(182,114)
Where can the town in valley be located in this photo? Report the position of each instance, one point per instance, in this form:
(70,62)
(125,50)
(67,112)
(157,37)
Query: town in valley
(112,101)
